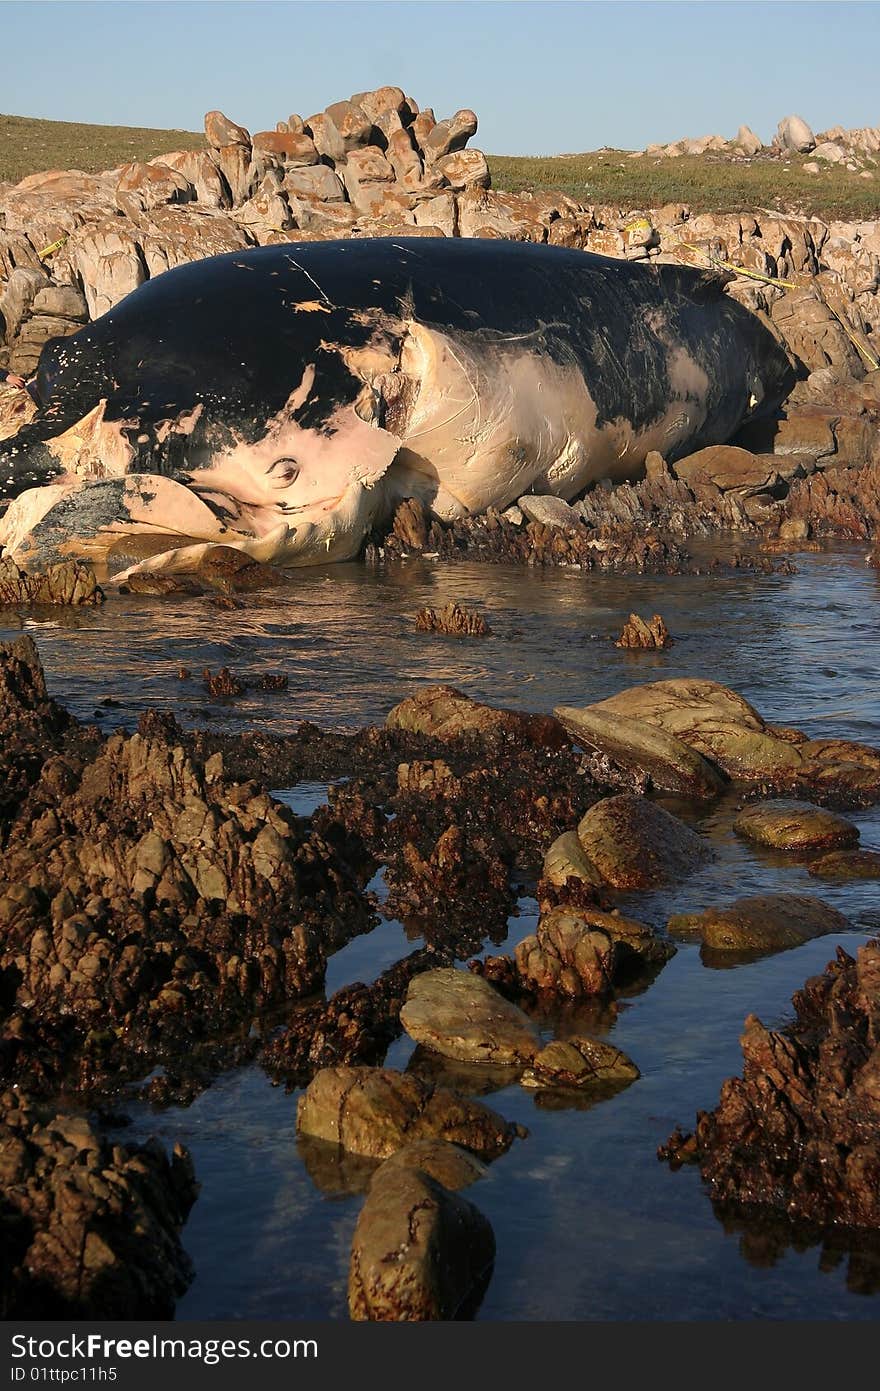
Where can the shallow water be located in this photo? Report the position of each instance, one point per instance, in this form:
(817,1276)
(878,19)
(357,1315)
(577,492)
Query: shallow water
(588,1224)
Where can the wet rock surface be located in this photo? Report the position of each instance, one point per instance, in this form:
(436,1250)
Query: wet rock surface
(668,763)
(652,634)
(799,1133)
(461,1016)
(91,1229)
(577,1062)
(635,844)
(419,1252)
(150,906)
(727,731)
(453,620)
(71,584)
(445,713)
(795,826)
(847,864)
(376,1111)
(760,923)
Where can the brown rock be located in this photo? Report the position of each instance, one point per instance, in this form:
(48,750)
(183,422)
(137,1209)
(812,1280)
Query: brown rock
(462,1017)
(844,865)
(566,957)
(91,1230)
(638,633)
(671,764)
(578,1062)
(448,136)
(635,844)
(761,923)
(419,1252)
(220,131)
(795,826)
(376,1111)
(445,713)
(453,620)
(798,1134)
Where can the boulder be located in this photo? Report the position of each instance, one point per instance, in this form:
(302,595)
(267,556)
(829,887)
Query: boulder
(286,150)
(549,511)
(220,131)
(460,1016)
(729,468)
(566,859)
(352,124)
(761,923)
(447,137)
(234,163)
(316,181)
(635,844)
(712,719)
(446,1163)
(793,134)
(445,713)
(418,1253)
(145,186)
(786,825)
(201,171)
(844,865)
(464,169)
(404,159)
(579,1062)
(376,1111)
(747,141)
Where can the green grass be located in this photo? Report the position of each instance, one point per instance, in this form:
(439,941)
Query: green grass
(28,146)
(707,183)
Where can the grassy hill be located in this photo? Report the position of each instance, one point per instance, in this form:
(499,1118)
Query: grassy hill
(708,183)
(28,145)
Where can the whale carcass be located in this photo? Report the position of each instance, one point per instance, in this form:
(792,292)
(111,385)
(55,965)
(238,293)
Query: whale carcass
(285,399)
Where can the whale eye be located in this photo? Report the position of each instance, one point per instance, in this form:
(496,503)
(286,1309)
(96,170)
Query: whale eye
(284,472)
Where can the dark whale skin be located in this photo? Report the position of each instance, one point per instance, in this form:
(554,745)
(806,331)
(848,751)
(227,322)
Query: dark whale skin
(228,332)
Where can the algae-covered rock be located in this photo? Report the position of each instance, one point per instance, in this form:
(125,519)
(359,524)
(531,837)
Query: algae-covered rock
(635,844)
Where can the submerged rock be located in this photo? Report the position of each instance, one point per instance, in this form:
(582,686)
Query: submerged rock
(761,923)
(91,1229)
(580,1062)
(843,865)
(377,1111)
(795,826)
(419,1252)
(799,1133)
(461,1016)
(635,844)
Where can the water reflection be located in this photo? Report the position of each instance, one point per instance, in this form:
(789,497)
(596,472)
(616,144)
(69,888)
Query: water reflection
(589,1225)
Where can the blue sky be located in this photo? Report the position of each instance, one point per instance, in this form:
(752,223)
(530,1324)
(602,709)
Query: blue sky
(544,78)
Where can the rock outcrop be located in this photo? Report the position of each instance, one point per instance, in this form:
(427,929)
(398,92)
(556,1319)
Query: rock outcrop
(91,1229)
(799,1133)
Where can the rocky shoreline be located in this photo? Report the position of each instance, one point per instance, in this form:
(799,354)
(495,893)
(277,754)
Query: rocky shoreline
(165,919)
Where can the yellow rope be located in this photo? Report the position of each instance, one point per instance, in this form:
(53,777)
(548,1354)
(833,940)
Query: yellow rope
(52,248)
